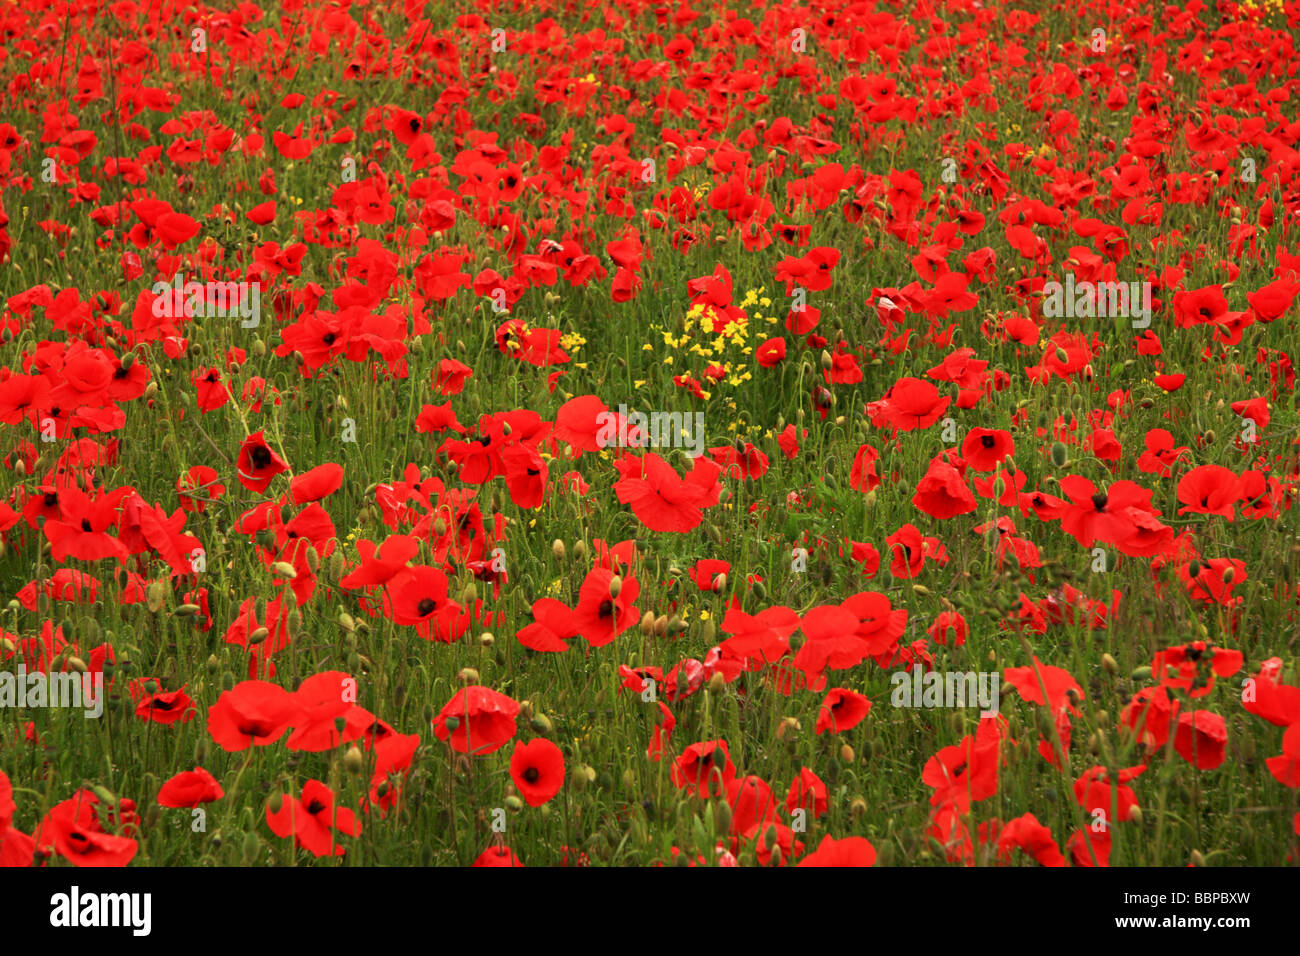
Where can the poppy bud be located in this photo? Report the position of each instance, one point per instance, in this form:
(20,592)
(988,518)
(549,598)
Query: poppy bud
(1198,858)
(514,804)
(1194,568)
(353,762)
(788,726)
(675,626)
(717,683)
(440,527)
(468,675)
(760,590)
(1210,436)
(1059,455)
(486,639)
(776,852)
(647,624)
(846,753)
(469,595)
(213,664)
(1109,664)
(77,664)
(252,846)
(580,551)
(921,590)
(1229,575)
(284,570)
(615,586)
(578,779)
(313,559)
(769,840)
(347,622)
(276,802)
(541,724)
(722,817)
(557,549)
(186,610)
(257,636)
(1141,673)
(857,807)
(155,596)
(451,723)
(661,625)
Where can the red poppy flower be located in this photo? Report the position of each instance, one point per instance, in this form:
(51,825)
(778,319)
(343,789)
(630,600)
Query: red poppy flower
(700,766)
(477,721)
(1026,834)
(984,448)
(850,851)
(1209,490)
(770,353)
(73,829)
(450,377)
(328,714)
(252,713)
(910,403)
(807,791)
(1201,739)
(320,482)
(1093,790)
(661,499)
(257,463)
(863,476)
(537,768)
(942,492)
(189,789)
(498,856)
(313,820)
(601,615)
(842,710)
(163,707)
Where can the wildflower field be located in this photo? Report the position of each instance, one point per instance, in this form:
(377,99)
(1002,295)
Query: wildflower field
(649,434)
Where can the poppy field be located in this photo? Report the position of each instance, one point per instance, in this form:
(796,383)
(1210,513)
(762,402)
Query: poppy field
(640,434)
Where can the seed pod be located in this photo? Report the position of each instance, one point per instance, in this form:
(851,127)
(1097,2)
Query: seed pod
(353,762)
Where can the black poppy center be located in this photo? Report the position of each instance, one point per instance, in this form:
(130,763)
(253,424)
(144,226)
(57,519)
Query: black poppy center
(426,606)
(260,456)
(531,774)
